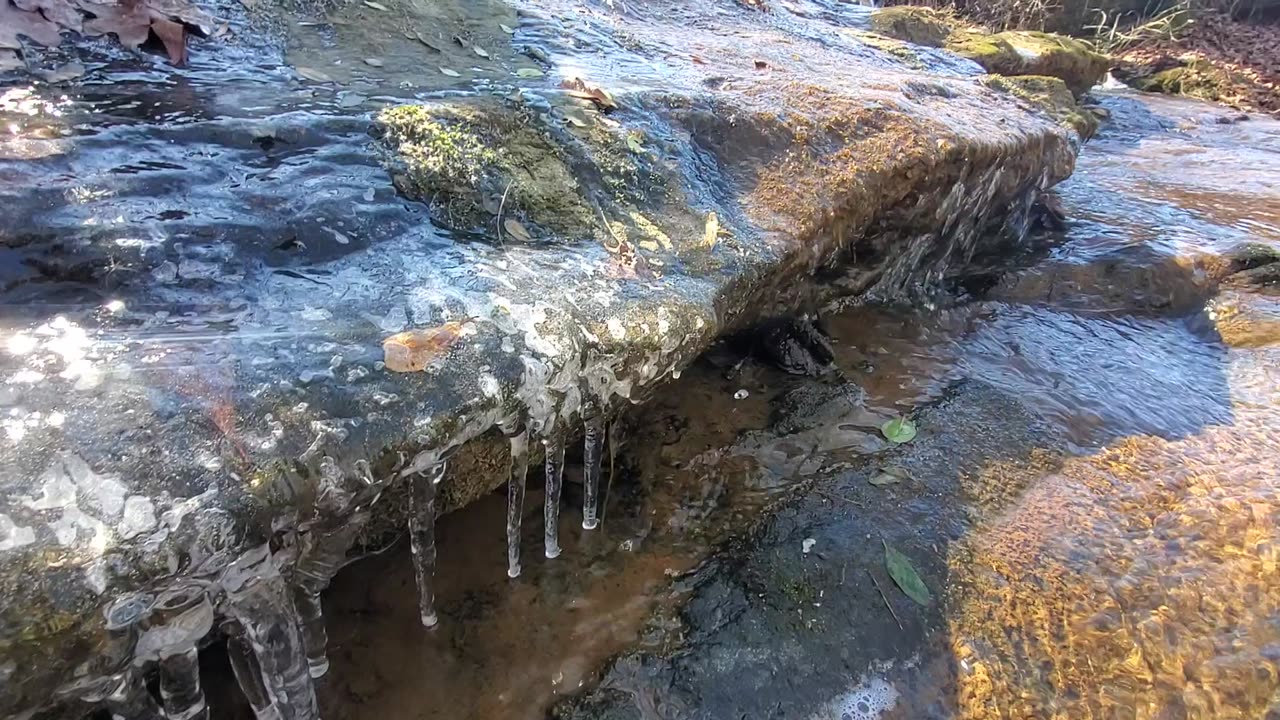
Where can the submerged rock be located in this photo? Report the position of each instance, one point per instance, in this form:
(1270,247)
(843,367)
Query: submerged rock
(195,383)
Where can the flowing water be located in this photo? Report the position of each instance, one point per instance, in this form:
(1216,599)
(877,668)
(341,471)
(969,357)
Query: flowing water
(1127,568)
(1123,565)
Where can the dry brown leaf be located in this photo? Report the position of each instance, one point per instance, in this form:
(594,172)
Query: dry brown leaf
(15,22)
(516,230)
(414,350)
(129,21)
(174,37)
(62,13)
(581,90)
(9,60)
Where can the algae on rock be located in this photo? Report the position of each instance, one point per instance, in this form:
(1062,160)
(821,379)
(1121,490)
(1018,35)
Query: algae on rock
(1012,52)
(1050,95)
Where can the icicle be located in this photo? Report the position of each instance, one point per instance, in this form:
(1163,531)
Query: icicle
(515,495)
(179,620)
(555,475)
(259,599)
(124,694)
(130,700)
(422,539)
(244,664)
(593,449)
(323,552)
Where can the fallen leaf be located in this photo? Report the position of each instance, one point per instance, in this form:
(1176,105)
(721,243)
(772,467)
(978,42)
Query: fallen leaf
(761,65)
(426,42)
(62,13)
(712,230)
(898,430)
(70,71)
(697,60)
(377,5)
(174,37)
(529,73)
(900,569)
(889,475)
(633,142)
(480,51)
(9,60)
(516,230)
(312,74)
(449,72)
(373,62)
(579,89)
(414,350)
(350,99)
(507,29)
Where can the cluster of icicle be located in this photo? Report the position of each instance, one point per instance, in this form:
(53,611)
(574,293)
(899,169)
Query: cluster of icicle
(272,617)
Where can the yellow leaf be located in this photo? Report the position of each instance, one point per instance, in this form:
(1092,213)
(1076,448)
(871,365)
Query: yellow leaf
(414,350)
(712,231)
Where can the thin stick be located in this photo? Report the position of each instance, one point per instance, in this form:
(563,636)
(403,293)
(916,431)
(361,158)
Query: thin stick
(855,503)
(884,598)
(604,506)
(502,205)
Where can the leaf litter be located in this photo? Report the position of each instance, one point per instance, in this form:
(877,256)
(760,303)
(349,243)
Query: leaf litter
(905,575)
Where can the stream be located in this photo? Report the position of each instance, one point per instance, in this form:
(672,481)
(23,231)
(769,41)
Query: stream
(1091,499)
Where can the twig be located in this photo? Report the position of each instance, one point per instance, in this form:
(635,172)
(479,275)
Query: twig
(502,205)
(855,503)
(604,505)
(609,229)
(884,598)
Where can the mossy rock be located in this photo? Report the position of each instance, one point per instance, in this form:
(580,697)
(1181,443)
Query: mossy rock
(917,25)
(1033,53)
(1050,95)
(1014,52)
(472,163)
(1195,79)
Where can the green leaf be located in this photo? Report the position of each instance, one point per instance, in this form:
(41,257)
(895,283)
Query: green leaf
(905,575)
(633,142)
(899,430)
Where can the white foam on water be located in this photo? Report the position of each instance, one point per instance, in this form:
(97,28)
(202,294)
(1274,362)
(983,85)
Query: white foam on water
(868,700)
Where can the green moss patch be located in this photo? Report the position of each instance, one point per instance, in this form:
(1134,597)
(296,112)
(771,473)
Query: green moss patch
(1007,53)
(1050,95)
(470,163)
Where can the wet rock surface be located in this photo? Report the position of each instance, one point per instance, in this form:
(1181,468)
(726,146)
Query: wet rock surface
(202,266)
(1072,500)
